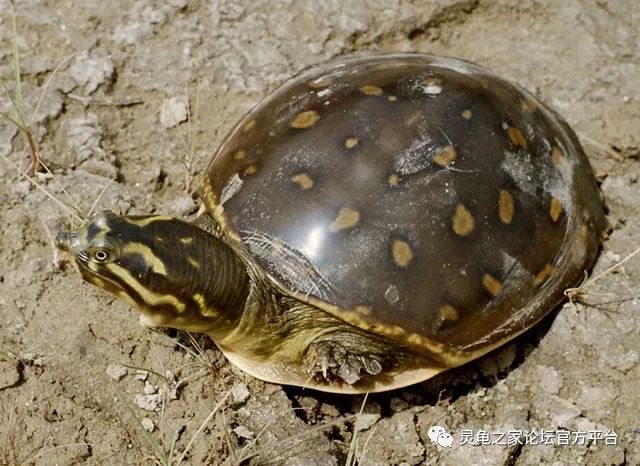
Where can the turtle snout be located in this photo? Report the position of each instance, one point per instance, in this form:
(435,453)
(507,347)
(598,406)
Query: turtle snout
(66,239)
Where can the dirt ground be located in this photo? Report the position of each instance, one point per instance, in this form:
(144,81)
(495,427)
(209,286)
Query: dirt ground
(81,382)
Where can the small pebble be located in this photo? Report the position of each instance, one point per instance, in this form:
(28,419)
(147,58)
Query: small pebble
(612,256)
(90,71)
(365,421)
(147,424)
(550,380)
(182,206)
(148,402)
(173,111)
(116,371)
(243,432)
(240,393)
(9,373)
(149,388)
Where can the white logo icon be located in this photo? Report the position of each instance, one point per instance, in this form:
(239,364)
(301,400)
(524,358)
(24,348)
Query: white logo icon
(439,435)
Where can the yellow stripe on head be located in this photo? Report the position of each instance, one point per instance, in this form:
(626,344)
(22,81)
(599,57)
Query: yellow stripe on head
(155,263)
(149,297)
(202,304)
(145,221)
(194,263)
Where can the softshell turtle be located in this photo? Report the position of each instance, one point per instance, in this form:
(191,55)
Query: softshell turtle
(373,222)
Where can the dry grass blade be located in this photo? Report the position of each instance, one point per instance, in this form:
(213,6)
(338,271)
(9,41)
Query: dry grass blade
(353,446)
(16,59)
(95,203)
(148,371)
(203,425)
(574,293)
(46,85)
(71,210)
(17,101)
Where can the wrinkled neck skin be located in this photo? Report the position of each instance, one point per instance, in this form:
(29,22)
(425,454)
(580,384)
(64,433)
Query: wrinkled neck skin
(209,278)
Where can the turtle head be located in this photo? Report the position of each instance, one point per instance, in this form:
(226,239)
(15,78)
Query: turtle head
(175,273)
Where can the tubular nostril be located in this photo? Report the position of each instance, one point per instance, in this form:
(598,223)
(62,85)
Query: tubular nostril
(64,239)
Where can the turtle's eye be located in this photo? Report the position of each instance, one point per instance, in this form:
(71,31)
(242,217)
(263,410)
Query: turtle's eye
(102,252)
(100,255)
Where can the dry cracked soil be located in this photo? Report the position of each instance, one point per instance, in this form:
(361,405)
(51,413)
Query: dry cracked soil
(82,383)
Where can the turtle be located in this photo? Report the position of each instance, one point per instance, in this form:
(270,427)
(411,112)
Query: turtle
(376,220)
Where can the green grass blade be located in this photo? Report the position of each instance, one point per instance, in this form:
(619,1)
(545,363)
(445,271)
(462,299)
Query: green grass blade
(13,104)
(16,66)
(8,117)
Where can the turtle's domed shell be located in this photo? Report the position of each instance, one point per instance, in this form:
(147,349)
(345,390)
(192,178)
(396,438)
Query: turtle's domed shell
(419,197)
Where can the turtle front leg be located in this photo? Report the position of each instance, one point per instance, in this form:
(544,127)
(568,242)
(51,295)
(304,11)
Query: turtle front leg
(344,356)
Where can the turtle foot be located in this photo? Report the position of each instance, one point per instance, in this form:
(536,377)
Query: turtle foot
(332,361)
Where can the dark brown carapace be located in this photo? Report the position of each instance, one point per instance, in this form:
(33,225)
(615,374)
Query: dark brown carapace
(418,196)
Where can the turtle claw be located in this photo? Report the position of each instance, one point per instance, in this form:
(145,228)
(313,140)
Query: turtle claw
(333,362)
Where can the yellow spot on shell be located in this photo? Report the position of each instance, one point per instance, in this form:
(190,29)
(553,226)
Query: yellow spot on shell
(364,310)
(250,169)
(303,180)
(445,157)
(187,240)
(371,90)
(466,114)
(249,126)
(448,313)
(305,119)
(194,263)
(557,157)
(516,137)
(506,208)
(240,155)
(543,275)
(347,218)
(402,253)
(351,143)
(463,222)
(555,209)
(394,180)
(392,98)
(491,284)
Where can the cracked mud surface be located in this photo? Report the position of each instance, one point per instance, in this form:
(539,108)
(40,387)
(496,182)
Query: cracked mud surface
(116,110)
